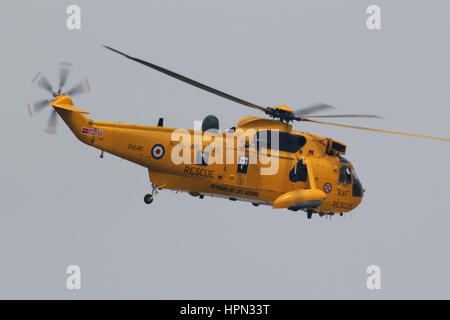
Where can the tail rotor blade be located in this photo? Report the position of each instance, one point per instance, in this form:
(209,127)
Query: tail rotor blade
(64,70)
(37,106)
(41,81)
(82,87)
(30,110)
(51,126)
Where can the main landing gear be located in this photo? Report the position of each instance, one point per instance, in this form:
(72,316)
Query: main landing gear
(148,198)
(309,214)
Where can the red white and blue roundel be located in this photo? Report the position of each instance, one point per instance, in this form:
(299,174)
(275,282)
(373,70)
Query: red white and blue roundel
(158,151)
(327,187)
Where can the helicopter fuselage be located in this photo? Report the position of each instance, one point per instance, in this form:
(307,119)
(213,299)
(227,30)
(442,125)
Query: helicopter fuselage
(310,173)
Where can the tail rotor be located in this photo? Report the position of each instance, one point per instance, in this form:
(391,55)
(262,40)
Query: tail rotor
(42,82)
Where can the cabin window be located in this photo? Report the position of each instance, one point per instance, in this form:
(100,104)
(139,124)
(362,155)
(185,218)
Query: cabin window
(202,158)
(286,141)
(242,164)
(299,172)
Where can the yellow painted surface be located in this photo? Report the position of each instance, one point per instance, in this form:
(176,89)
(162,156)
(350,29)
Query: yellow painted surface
(298,195)
(135,143)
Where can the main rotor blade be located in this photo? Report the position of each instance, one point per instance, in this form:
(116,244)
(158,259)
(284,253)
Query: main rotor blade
(190,81)
(376,130)
(41,81)
(51,126)
(346,116)
(82,87)
(312,109)
(64,69)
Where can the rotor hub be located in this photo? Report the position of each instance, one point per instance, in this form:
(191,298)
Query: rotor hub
(282,113)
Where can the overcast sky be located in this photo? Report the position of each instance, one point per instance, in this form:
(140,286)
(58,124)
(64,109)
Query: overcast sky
(62,205)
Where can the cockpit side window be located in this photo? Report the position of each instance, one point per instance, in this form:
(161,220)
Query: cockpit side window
(348,175)
(357,186)
(345,174)
(355,177)
(342,174)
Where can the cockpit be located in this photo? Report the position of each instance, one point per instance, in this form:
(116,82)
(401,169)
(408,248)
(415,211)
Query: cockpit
(347,176)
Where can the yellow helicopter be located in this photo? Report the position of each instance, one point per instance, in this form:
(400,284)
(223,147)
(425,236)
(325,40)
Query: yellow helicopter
(310,171)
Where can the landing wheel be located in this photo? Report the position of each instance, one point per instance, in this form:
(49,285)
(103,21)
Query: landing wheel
(255,204)
(309,214)
(148,198)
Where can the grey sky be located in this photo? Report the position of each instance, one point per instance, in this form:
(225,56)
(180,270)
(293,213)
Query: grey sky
(62,205)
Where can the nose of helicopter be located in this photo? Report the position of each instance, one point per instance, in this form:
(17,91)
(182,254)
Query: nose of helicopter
(358,191)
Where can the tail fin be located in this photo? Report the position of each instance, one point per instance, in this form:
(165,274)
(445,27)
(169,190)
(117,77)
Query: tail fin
(65,102)
(72,116)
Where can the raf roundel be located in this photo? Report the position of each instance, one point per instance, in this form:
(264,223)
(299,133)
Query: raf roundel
(157,151)
(327,187)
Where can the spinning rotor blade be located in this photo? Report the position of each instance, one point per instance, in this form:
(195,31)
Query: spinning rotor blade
(190,81)
(376,130)
(312,109)
(346,116)
(51,126)
(82,87)
(64,69)
(321,106)
(38,106)
(41,81)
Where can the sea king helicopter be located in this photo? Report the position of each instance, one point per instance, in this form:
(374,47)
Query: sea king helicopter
(311,175)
